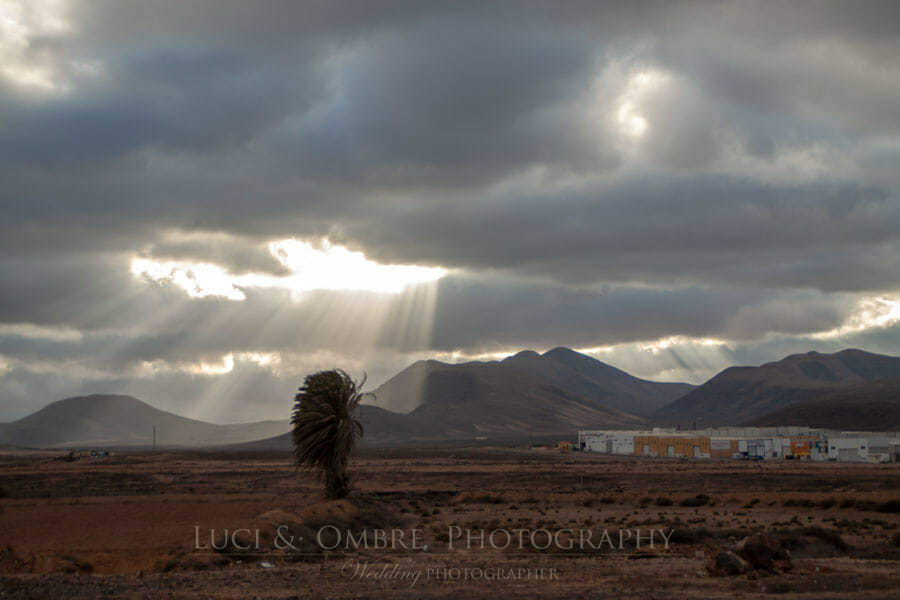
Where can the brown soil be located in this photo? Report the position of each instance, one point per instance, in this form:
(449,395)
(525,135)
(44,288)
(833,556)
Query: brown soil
(125,526)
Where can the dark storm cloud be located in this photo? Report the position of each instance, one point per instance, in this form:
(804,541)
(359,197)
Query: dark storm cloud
(596,173)
(670,229)
(81,291)
(260,111)
(491,317)
(449,102)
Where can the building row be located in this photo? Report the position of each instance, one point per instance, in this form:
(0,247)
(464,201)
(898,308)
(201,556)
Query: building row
(754,443)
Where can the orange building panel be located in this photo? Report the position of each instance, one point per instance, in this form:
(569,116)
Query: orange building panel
(675,446)
(800,449)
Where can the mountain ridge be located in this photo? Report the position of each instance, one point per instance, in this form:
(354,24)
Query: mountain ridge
(554,393)
(872,406)
(741,394)
(527,393)
(578,374)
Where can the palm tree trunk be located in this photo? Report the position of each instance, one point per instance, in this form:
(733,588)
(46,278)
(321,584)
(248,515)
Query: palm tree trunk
(337,483)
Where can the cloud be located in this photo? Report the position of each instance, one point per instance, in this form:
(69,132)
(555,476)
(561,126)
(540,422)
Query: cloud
(670,229)
(591,174)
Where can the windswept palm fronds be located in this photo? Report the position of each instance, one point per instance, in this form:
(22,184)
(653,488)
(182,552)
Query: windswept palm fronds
(325,430)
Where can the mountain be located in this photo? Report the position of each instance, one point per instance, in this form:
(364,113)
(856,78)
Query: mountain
(618,389)
(871,406)
(113,420)
(742,394)
(553,393)
(521,394)
(557,391)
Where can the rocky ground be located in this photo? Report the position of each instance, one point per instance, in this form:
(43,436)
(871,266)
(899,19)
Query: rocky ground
(142,525)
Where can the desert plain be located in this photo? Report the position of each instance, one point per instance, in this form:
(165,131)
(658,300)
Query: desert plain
(140,524)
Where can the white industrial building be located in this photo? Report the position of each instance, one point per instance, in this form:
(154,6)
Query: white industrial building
(764,448)
(608,442)
(756,443)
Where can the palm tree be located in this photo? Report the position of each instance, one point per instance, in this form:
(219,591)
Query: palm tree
(325,429)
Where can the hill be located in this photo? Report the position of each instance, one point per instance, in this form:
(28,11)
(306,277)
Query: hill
(872,406)
(743,394)
(108,420)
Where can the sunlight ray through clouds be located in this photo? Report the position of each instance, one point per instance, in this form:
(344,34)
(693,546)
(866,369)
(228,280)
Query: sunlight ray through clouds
(345,297)
(326,266)
(871,313)
(321,266)
(198,280)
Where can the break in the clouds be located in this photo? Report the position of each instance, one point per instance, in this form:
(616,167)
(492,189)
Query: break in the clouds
(203,201)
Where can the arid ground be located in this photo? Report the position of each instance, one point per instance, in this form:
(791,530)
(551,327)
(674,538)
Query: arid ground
(129,526)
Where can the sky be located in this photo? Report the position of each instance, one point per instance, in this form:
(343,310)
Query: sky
(201,202)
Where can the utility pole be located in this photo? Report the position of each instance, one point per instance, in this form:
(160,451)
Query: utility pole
(154,437)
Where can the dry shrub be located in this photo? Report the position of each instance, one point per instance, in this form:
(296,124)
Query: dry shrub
(827,535)
(72,564)
(794,539)
(799,502)
(698,500)
(890,506)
